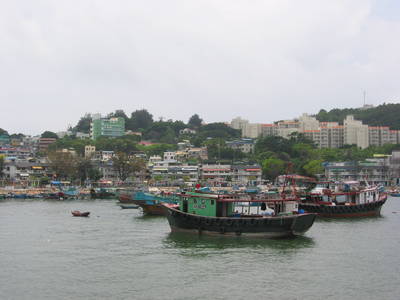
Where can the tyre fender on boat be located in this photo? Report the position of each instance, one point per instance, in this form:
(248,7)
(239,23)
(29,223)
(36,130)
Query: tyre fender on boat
(228,222)
(208,222)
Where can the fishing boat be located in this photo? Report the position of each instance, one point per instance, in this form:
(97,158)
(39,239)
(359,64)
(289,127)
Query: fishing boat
(344,200)
(394,192)
(128,206)
(103,193)
(216,214)
(150,203)
(77,213)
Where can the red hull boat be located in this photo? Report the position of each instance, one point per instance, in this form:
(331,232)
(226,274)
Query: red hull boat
(77,213)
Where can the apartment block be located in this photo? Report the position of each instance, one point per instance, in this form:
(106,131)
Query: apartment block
(112,127)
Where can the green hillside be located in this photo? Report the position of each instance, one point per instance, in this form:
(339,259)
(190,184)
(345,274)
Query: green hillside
(382,115)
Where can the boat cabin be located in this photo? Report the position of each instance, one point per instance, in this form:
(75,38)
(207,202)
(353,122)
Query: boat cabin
(217,205)
(348,192)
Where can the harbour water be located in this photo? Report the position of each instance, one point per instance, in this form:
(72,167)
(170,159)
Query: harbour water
(45,253)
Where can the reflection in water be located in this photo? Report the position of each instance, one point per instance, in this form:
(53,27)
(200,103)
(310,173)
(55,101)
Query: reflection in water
(146,218)
(358,220)
(193,241)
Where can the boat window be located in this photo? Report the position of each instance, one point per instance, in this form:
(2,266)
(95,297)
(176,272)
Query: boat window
(185,205)
(212,202)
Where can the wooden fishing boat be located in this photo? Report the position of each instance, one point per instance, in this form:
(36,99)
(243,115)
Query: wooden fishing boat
(77,213)
(215,214)
(128,206)
(151,204)
(103,193)
(345,200)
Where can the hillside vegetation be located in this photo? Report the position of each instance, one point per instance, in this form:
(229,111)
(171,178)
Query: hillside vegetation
(382,115)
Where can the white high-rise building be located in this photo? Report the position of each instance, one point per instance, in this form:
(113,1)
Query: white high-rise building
(355,133)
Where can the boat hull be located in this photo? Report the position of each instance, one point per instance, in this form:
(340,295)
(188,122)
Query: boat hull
(80,214)
(268,227)
(128,206)
(345,211)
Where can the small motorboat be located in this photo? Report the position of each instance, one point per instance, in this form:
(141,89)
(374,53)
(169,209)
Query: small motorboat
(77,213)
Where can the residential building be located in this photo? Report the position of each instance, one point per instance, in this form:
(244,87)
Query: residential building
(4,139)
(374,171)
(216,174)
(246,174)
(269,130)
(23,170)
(197,153)
(170,156)
(82,135)
(244,145)
(44,143)
(286,128)
(90,151)
(109,127)
(187,131)
(355,133)
(248,130)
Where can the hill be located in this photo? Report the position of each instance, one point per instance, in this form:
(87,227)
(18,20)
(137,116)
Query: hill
(382,115)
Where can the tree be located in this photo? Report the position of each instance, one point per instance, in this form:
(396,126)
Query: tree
(44,180)
(126,165)
(313,167)
(49,134)
(273,143)
(3,132)
(273,167)
(140,119)
(219,130)
(83,124)
(63,164)
(195,121)
(86,170)
(119,113)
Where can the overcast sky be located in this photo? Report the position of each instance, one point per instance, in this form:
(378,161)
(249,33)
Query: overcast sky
(262,60)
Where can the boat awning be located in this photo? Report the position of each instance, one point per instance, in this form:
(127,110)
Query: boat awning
(24,174)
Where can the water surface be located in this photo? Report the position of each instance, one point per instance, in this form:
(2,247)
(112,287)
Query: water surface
(45,253)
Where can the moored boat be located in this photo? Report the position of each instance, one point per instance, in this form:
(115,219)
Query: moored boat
(345,200)
(215,214)
(151,204)
(128,206)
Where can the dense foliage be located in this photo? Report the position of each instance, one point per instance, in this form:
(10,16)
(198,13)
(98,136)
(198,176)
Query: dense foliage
(49,134)
(304,157)
(382,115)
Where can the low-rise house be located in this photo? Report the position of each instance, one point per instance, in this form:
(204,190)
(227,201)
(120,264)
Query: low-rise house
(244,145)
(170,156)
(16,152)
(23,170)
(216,173)
(246,174)
(44,143)
(198,153)
(373,170)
